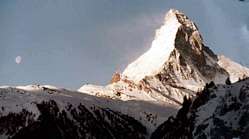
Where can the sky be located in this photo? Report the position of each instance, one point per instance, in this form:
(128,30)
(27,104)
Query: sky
(68,43)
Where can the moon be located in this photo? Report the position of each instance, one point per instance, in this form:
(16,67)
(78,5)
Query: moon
(18,60)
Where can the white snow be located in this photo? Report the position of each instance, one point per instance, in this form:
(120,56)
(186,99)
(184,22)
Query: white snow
(151,62)
(231,118)
(137,105)
(235,70)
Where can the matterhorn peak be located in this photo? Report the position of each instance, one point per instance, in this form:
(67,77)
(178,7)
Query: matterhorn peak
(178,57)
(177,64)
(151,62)
(176,32)
(181,17)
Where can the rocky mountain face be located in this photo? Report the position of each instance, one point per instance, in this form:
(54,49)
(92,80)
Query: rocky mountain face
(219,111)
(170,75)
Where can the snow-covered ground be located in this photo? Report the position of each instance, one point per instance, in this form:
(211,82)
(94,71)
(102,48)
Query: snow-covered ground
(149,113)
(226,113)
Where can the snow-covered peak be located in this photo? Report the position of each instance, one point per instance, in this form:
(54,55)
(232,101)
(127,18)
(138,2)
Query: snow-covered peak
(179,60)
(177,33)
(152,61)
(177,64)
(181,17)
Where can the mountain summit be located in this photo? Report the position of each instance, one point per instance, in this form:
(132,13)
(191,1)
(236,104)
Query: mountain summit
(177,33)
(179,58)
(137,101)
(178,64)
(151,63)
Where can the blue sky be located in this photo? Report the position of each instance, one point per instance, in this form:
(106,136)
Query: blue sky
(69,43)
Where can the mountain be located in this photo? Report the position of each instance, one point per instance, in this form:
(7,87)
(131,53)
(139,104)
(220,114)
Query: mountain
(39,112)
(149,91)
(219,111)
(178,64)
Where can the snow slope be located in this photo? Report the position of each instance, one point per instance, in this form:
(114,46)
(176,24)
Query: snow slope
(235,70)
(39,112)
(226,113)
(220,111)
(14,100)
(151,62)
